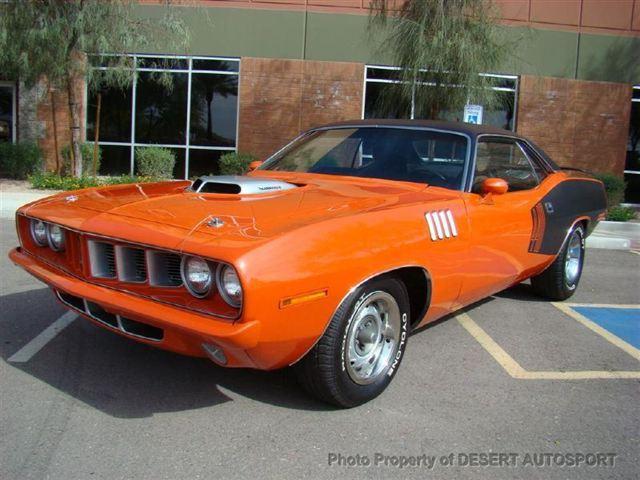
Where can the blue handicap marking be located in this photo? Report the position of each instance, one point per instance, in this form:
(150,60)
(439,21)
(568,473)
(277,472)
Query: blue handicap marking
(622,322)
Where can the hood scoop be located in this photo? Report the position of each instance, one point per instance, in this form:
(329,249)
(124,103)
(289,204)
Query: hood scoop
(238,185)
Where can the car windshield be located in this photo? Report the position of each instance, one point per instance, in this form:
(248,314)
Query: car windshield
(406,154)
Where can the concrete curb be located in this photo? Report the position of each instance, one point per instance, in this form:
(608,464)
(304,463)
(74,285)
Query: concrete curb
(609,243)
(615,236)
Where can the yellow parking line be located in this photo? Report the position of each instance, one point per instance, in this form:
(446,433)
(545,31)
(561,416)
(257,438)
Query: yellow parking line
(617,341)
(514,369)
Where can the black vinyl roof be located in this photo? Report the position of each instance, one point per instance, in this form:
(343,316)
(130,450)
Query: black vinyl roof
(466,128)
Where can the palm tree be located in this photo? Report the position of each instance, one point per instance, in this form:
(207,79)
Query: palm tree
(442,47)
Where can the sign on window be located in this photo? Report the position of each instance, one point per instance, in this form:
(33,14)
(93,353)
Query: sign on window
(473,114)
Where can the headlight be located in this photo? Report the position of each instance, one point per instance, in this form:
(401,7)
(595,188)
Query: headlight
(197,276)
(39,232)
(229,285)
(55,236)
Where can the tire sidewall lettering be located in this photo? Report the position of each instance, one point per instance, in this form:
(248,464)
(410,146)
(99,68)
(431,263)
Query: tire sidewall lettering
(401,346)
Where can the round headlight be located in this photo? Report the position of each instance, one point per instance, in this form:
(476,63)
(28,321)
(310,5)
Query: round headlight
(39,232)
(55,236)
(229,285)
(197,276)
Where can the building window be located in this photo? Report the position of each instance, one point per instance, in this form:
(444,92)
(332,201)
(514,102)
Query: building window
(7,112)
(632,166)
(378,78)
(196,117)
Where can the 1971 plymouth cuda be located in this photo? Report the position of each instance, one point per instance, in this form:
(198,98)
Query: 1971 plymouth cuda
(324,257)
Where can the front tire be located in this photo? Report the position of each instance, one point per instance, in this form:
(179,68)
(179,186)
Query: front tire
(362,348)
(560,280)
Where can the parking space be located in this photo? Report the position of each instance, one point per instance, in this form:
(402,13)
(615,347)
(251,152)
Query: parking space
(512,374)
(623,321)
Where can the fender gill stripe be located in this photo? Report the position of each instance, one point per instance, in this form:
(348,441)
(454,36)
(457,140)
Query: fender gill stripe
(452,222)
(432,228)
(436,220)
(445,223)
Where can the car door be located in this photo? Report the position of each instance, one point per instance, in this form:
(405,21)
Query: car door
(500,225)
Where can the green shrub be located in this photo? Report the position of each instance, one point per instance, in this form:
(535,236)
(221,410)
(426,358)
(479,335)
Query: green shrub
(19,160)
(156,162)
(234,163)
(613,186)
(52,181)
(86,149)
(621,214)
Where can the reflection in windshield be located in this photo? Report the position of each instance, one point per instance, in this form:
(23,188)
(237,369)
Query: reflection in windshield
(412,155)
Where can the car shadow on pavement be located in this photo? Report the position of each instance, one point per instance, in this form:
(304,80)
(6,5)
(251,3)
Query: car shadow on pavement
(522,292)
(126,379)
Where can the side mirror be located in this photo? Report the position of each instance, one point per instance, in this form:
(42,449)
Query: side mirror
(255,164)
(496,186)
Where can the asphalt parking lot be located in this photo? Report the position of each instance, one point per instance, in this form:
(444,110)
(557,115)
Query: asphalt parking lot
(515,376)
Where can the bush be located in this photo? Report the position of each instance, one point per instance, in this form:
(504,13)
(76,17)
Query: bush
(86,150)
(52,181)
(19,160)
(621,214)
(234,163)
(156,162)
(614,187)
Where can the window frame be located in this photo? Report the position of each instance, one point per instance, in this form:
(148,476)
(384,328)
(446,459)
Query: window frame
(14,109)
(132,144)
(533,159)
(367,79)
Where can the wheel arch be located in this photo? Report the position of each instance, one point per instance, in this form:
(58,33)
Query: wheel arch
(417,281)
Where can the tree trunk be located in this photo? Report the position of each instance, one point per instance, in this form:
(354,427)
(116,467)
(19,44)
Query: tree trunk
(74,111)
(55,129)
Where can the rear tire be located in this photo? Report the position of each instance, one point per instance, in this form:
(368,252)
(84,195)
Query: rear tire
(362,348)
(560,280)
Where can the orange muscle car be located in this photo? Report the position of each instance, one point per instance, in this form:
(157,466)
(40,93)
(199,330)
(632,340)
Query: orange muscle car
(326,255)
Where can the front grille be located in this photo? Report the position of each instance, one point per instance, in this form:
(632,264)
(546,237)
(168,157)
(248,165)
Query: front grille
(134,264)
(98,313)
(164,269)
(102,258)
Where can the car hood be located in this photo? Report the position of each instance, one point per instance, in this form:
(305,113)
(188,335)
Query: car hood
(173,204)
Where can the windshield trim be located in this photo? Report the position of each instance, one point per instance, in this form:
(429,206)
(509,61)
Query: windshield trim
(465,172)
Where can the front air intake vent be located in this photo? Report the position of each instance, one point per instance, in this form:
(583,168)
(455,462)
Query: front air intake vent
(102,258)
(238,185)
(164,269)
(132,266)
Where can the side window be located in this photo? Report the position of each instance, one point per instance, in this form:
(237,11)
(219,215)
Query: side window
(504,158)
(535,161)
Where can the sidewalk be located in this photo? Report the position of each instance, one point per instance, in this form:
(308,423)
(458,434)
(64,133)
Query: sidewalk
(15,193)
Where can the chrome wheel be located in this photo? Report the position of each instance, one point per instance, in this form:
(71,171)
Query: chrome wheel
(372,337)
(573,259)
